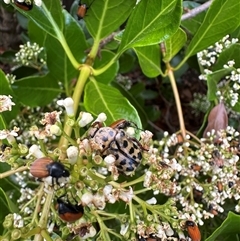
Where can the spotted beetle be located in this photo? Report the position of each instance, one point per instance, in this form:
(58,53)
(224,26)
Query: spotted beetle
(113,140)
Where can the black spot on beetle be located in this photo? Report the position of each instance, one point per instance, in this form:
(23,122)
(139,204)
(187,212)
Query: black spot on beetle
(140,156)
(131,151)
(125,143)
(130,169)
(123,162)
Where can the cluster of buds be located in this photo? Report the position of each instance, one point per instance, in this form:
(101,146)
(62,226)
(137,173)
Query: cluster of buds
(228,87)
(29,55)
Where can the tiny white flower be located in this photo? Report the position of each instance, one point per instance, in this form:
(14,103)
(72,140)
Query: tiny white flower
(99,201)
(101,117)
(124,228)
(87,198)
(72,154)
(110,159)
(7,1)
(6,103)
(91,232)
(86,118)
(126,196)
(152,201)
(38,3)
(35,151)
(68,105)
(55,130)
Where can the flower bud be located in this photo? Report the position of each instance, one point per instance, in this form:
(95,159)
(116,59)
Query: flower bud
(68,104)
(101,117)
(55,130)
(72,154)
(35,151)
(86,118)
(86,199)
(16,234)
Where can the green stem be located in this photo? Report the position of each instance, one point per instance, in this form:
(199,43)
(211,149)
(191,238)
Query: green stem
(177,100)
(45,212)
(84,74)
(38,204)
(132,214)
(108,65)
(8,173)
(61,38)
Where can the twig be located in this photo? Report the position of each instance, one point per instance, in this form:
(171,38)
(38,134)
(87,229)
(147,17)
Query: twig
(196,10)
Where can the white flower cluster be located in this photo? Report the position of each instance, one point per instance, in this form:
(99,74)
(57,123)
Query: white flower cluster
(6,103)
(230,85)
(29,55)
(36,2)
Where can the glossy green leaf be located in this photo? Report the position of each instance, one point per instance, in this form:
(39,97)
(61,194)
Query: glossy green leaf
(104,98)
(58,63)
(107,76)
(127,61)
(105,16)
(212,81)
(221,19)
(192,24)
(42,16)
(230,226)
(149,60)
(134,97)
(151,22)
(36,91)
(231,53)
(174,44)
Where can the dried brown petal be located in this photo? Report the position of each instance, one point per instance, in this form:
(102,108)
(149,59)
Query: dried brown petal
(217,120)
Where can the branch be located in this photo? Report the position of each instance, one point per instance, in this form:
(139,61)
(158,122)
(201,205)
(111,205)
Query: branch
(192,13)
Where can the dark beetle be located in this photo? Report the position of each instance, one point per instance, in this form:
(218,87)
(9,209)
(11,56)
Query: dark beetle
(69,212)
(45,166)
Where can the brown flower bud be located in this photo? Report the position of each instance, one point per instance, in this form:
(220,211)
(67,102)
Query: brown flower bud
(217,120)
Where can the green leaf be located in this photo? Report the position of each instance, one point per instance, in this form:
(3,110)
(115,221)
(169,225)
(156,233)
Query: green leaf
(43,15)
(36,90)
(104,98)
(7,205)
(127,61)
(174,44)
(149,60)
(151,22)
(58,63)
(193,24)
(133,96)
(105,16)
(221,19)
(230,226)
(231,53)
(107,76)
(212,81)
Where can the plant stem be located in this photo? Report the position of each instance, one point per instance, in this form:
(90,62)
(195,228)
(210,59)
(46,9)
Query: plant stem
(45,212)
(196,10)
(61,38)
(177,99)
(8,173)
(84,74)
